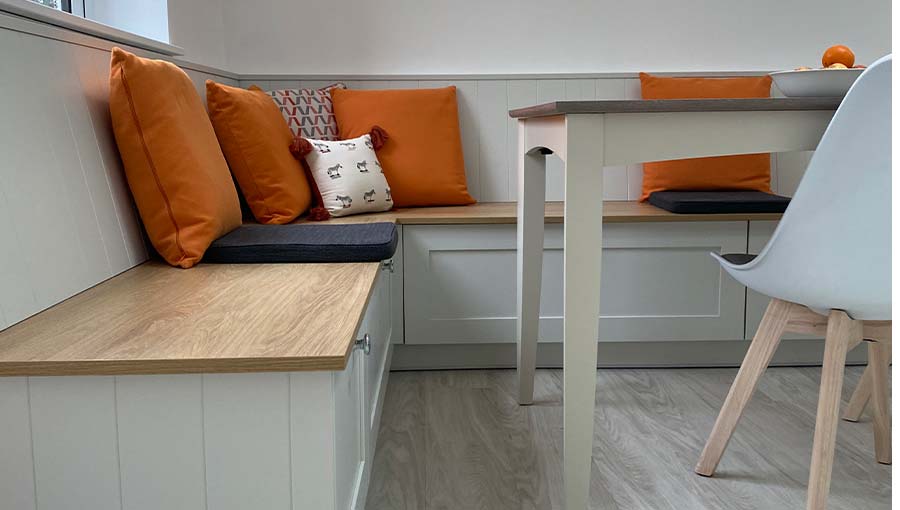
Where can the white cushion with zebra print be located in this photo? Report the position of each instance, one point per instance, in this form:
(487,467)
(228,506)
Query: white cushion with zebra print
(349,176)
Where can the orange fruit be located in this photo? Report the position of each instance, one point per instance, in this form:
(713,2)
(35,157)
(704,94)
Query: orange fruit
(838,54)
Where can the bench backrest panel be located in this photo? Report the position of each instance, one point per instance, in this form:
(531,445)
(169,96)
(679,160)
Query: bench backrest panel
(67,220)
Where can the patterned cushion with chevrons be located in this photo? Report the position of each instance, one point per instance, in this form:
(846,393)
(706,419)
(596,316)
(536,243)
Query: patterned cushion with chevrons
(308,112)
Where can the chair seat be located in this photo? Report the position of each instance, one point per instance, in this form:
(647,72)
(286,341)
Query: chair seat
(719,202)
(248,244)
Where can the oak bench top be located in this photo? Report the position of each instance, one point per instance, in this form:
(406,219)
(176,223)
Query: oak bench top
(486,213)
(156,319)
(676,105)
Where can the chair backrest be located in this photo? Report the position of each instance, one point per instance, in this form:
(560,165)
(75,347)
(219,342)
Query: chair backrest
(832,249)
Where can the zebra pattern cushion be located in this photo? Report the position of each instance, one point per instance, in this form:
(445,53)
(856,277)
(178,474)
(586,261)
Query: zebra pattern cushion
(308,112)
(349,176)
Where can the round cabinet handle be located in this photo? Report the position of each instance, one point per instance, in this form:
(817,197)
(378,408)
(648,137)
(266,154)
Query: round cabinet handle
(387,265)
(364,343)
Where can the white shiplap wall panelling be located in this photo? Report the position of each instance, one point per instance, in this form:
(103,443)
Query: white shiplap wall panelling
(491,116)
(790,169)
(17,468)
(88,99)
(519,93)
(160,435)
(66,214)
(255,471)
(76,460)
(97,96)
(60,202)
(547,90)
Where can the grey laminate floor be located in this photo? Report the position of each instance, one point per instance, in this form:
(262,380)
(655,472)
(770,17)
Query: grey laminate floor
(457,440)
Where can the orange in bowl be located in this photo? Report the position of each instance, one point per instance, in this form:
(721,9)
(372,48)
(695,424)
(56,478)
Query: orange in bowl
(838,54)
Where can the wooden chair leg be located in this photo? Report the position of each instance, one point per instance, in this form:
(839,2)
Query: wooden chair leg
(860,396)
(841,332)
(766,340)
(879,358)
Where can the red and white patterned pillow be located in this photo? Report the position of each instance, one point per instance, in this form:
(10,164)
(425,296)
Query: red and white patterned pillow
(308,112)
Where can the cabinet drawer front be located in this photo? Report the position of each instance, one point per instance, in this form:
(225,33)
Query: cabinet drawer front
(658,283)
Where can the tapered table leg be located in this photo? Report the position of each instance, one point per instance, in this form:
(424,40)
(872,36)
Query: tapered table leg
(529,260)
(582,245)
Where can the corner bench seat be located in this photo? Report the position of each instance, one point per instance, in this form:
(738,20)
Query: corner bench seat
(489,213)
(155,319)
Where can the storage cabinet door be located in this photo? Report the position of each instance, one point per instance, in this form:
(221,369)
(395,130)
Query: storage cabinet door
(377,324)
(658,283)
(349,454)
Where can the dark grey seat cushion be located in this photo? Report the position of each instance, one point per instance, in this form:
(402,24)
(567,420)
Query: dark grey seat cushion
(738,258)
(721,202)
(365,242)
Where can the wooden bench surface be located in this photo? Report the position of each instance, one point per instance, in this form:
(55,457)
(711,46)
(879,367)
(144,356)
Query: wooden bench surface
(155,319)
(486,213)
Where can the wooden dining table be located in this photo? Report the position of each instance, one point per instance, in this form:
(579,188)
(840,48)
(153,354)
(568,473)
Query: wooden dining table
(591,135)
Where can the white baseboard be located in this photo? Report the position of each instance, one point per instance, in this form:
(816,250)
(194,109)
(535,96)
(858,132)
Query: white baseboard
(723,353)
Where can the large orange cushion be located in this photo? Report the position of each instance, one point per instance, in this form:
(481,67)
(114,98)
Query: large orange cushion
(746,172)
(256,141)
(423,157)
(175,168)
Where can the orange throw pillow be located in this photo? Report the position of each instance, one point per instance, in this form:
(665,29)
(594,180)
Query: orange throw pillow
(423,157)
(256,141)
(173,163)
(745,172)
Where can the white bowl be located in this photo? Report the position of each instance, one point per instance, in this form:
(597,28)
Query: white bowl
(815,82)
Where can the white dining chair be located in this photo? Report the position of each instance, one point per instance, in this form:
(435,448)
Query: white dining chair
(827,269)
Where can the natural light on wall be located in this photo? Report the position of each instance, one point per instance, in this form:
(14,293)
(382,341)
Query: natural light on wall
(147,18)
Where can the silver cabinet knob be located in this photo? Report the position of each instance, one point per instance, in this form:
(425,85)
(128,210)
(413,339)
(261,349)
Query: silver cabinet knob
(364,343)
(387,265)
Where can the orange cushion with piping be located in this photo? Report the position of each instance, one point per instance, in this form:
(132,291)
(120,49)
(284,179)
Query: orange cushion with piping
(423,156)
(175,168)
(745,172)
(256,141)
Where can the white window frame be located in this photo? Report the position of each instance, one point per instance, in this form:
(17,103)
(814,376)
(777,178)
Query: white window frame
(76,23)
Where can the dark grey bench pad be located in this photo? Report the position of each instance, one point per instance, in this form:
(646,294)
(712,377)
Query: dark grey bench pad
(248,244)
(738,258)
(719,202)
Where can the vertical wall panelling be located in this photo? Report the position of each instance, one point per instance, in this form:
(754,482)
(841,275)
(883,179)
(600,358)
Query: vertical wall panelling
(80,98)
(491,115)
(67,215)
(519,93)
(248,451)
(547,90)
(160,429)
(76,460)
(16,298)
(631,89)
(615,178)
(38,198)
(791,167)
(17,468)
(312,410)
(129,221)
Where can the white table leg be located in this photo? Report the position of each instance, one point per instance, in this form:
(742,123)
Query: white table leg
(529,259)
(583,243)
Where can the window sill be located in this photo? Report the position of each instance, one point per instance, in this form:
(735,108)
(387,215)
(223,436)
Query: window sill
(46,15)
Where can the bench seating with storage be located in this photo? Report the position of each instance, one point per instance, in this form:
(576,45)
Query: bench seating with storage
(274,343)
